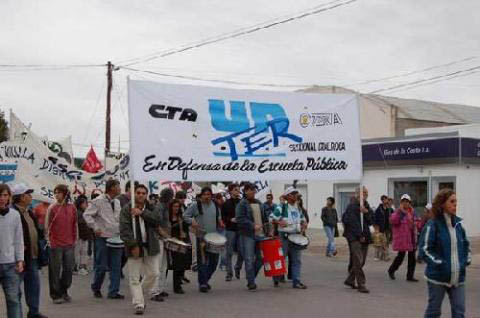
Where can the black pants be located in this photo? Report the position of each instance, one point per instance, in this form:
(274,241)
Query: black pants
(177,279)
(399,260)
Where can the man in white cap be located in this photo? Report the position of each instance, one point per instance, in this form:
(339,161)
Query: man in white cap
(22,198)
(404,229)
(290,221)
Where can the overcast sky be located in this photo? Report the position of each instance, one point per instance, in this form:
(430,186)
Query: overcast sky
(365,40)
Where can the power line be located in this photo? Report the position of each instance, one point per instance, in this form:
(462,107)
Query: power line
(414,72)
(48,65)
(195,78)
(239,32)
(434,78)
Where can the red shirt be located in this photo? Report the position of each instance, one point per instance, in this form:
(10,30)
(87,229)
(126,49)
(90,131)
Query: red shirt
(62,225)
(40,212)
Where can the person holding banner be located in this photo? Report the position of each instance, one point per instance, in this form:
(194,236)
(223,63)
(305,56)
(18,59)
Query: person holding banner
(204,217)
(290,221)
(356,222)
(252,226)
(228,217)
(103,216)
(138,229)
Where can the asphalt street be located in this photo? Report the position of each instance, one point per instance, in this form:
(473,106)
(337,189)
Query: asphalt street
(326,296)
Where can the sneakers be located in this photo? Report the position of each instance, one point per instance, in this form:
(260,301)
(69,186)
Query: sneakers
(116,296)
(139,310)
(363,289)
(203,289)
(413,280)
(83,272)
(157,298)
(97,294)
(58,301)
(252,286)
(299,286)
(352,285)
(237,273)
(228,278)
(67,298)
(275,283)
(209,287)
(164,294)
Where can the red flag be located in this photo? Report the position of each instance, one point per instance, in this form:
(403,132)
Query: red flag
(91,163)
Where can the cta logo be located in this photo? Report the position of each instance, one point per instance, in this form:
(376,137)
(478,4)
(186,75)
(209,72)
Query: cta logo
(170,112)
(320,119)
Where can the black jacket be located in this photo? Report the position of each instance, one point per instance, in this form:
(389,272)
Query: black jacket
(228,213)
(329,217)
(382,217)
(352,224)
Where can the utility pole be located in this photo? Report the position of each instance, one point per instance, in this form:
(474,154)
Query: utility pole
(109,109)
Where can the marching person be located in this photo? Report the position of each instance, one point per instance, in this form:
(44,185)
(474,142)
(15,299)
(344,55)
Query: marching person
(404,228)
(204,217)
(356,221)
(330,220)
(219,200)
(252,226)
(160,286)
(138,229)
(182,197)
(382,223)
(269,206)
(85,234)
(290,221)
(61,226)
(445,248)
(22,198)
(12,251)
(231,231)
(179,262)
(103,216)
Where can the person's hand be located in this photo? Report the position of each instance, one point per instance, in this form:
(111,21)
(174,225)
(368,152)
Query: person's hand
(258,227)
(98,233)
(233,220)
(221,224)
(135,252)
(19,267)
(363,210)
(136,211)
(195,224)
(304,226)
(283,223)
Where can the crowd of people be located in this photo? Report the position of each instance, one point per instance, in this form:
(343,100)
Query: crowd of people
(154,235)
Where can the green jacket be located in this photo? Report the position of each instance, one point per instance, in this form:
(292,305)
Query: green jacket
(152,221)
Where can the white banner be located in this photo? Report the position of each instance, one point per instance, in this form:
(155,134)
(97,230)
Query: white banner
(181,132)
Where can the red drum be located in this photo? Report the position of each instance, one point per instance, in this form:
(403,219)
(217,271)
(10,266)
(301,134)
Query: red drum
(273,258)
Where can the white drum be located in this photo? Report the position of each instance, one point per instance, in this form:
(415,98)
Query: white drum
(215,242)
(176,245)
(299,241)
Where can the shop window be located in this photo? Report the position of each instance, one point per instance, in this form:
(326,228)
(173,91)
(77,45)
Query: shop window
(446,185)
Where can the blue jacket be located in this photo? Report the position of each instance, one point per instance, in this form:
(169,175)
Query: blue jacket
(446,261)
(245,220)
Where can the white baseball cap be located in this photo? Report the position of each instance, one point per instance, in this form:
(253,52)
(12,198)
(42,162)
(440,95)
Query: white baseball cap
(406,197)
(20,188)
(290,190)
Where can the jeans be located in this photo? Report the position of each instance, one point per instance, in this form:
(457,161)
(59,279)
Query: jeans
(31,281)
(358,257)
(206,265)
(436,293)
(294,258)
(232,241)
(105,256)
(412,261)
(330,232)
(10,281)
(60,270)
(252,257)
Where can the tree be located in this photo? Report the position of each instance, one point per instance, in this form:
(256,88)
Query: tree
(3,127)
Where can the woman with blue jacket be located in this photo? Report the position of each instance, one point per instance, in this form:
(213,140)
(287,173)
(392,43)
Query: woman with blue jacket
(446,250)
